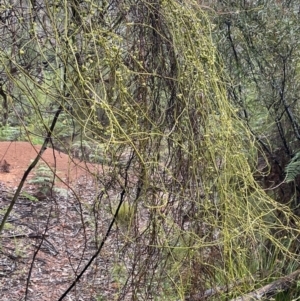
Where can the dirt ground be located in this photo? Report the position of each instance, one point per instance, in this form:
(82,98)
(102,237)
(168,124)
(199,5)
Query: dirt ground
(15,157)
(46,243)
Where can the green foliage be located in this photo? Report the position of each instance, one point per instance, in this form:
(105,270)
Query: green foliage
(28,196)
(83,150)
(7,226)
(125,215)
(292,170)
(9,133)
(259,45)
(43,181)
(143,80)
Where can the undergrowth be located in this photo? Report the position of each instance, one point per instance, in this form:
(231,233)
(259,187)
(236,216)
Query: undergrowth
(148,89)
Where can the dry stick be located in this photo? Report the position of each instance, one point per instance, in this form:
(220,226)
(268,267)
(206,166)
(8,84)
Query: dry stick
(35,254)
(263,292)
(31,166)
(98,251)
(271,289)
(122,196)
(211,292)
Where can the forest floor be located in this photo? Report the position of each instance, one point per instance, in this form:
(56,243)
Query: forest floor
(49,240)
(15,157)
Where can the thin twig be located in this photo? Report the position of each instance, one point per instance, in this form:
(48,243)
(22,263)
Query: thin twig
(29,169)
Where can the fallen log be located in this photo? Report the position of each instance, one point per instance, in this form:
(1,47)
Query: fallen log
(271,289)
(263,293)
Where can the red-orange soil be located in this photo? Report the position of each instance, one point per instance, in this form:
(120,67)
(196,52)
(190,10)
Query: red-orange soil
(15,157)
